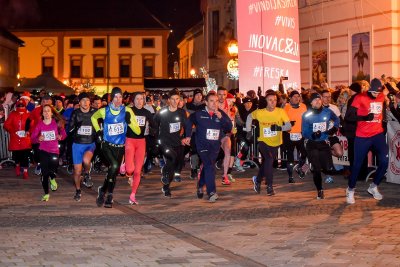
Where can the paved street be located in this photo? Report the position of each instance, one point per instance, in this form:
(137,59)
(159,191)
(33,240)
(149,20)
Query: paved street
(242,228)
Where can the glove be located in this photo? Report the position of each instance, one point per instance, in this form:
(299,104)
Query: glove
(316,135)
(249,137)
(99,137)
(368,117)
(275,128)
(292,123)
(332,131)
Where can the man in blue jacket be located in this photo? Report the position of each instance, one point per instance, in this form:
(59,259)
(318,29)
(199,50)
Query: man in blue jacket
(318,124)
(210,124)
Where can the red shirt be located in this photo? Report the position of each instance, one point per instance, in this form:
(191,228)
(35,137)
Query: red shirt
(366,105)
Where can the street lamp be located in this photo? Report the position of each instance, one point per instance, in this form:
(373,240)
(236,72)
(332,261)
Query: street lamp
(233,63)
(233,48)
(193,73)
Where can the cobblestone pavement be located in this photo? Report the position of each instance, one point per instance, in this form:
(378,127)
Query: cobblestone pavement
(242,228)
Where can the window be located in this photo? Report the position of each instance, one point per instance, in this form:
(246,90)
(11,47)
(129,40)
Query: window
(76,66)
(48,65)
(99,66)
(75,43)
(214,30)
(125,67)
(148,67)
(99,43)
(124,43)
(148,43)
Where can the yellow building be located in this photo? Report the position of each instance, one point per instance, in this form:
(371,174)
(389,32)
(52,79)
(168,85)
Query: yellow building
(9,45)
(114,44)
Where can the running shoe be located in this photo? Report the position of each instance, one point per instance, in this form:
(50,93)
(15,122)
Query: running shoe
(300,172)
(270,191)
(373,190)
(53,184)
(291,180)
(122,169)
(193,174)
(230,177)
(164,180)
(167,192)
(38,170)
(257,185)
(213,197)
(350,196)
(100,197)
(225,181)
(199,192)
(329,180)
(45,197)
(77,196)
(132,200)
(109,201)
(87,180)
(178,178)
(321,194)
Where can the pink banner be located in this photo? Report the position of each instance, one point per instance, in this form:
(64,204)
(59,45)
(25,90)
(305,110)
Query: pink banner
(268,36)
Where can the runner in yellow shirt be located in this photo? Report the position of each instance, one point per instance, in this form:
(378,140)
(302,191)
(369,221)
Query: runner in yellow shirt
(272,121)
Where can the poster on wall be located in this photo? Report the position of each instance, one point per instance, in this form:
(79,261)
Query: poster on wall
(393,136)
(269,48)
(319,61)
(360,57)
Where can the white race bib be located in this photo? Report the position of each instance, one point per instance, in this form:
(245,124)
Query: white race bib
(141,120)
(212,134)
(174,127)
(375,107)
(20,134)
(319,126)
(115,129)
(295,136)
(49,135)
(85,130)
(268,133)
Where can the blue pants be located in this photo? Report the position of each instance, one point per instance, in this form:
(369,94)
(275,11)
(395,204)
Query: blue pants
(266,170)
(207,175)
(361,147)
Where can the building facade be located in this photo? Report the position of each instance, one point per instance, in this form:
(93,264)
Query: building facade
(9,45)
(96,51)
(342,41)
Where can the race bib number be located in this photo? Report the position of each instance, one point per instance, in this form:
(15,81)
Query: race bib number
(20,134)
(212,134)
(295,136)
(49,135)
(115,129)
(85,130)
(268,133)
(319,126)
(174,127)
(375,108)
(141,120)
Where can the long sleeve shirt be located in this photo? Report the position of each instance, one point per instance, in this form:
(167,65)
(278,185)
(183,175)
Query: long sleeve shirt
(50,132)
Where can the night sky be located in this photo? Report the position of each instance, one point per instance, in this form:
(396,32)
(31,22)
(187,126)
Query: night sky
(179,15)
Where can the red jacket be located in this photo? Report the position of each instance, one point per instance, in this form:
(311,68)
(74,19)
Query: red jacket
(15,126)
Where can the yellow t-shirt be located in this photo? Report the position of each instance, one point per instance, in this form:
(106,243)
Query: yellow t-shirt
(266,118)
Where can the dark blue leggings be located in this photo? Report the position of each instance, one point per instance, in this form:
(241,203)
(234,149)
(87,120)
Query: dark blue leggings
(361,147)
(207,175)
(268,154)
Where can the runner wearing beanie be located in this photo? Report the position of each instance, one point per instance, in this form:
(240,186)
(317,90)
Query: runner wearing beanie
(83,146)
(315,130)
(116,119)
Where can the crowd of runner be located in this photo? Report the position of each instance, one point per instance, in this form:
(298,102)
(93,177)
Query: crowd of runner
(132,132)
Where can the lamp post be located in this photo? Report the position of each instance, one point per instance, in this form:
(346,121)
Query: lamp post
(233,63)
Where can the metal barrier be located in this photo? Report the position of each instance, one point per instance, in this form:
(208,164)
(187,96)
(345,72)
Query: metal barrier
(5,155)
